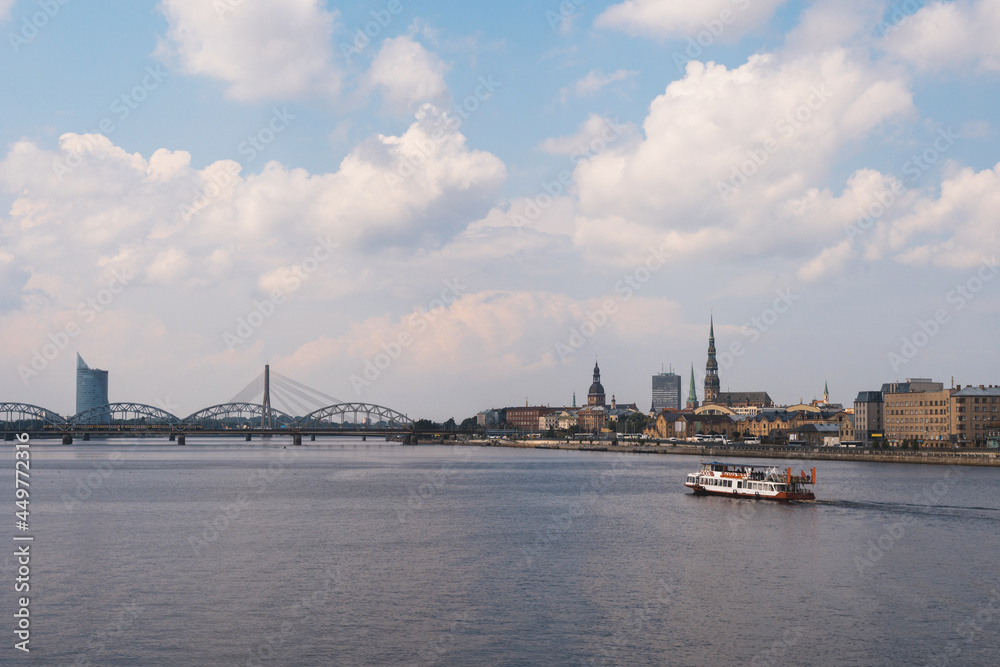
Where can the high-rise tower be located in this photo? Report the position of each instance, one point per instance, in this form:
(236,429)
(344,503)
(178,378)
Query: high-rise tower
(711,368)
(91,391)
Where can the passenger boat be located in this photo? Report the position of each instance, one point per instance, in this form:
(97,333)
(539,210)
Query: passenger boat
(738,480)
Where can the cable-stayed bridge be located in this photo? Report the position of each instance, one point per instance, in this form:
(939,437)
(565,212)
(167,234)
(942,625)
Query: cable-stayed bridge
(270,404)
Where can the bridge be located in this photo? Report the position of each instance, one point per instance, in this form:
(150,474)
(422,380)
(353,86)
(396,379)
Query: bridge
(242,416)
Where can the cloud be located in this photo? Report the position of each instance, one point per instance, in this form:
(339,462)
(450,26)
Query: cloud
(727,152)
(723,19)
(596,80)
(408,75)
(500,334)
(261,49)
(948,36)
(953,230)
(176,225)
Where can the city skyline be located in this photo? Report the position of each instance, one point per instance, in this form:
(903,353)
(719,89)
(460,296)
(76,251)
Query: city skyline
(442,208)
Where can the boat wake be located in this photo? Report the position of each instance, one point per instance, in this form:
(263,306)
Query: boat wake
(988,513)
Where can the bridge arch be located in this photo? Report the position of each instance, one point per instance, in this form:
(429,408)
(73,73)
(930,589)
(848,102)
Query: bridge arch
(124,414)
(226,416)
(375,417)
(27,417)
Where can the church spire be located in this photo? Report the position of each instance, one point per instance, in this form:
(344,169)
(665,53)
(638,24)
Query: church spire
(826,391)
(692,402)
(711,367)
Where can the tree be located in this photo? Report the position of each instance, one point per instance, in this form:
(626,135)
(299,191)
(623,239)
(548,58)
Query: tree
(469,424)
(450,424)
(424,425)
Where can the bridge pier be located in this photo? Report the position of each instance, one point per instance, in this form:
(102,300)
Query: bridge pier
(364,438)
(67,439)
(249,438)
(8,437)
(312,438)
(297,439)
(86,437)
(180,440)
(173,437)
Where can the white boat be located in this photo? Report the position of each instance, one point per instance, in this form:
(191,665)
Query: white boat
(738,480)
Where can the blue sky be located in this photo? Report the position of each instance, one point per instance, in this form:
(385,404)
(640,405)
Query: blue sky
(370,195)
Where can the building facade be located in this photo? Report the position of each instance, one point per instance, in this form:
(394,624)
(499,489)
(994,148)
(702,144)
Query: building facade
(91,391)
(918,410)
(666,392)
(526,418)
(869,417)
(975,413)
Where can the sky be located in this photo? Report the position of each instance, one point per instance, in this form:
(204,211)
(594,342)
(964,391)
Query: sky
(446,207)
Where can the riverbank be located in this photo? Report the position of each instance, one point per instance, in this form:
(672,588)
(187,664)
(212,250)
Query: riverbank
(933,457)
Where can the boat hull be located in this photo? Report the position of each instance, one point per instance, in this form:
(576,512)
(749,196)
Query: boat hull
(752,495)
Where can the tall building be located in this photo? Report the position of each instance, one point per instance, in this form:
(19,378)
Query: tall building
(595,396)
(692,402)
(918,410)
(711,368)
(91,390)
(666,392)
(869,417)
(975,414)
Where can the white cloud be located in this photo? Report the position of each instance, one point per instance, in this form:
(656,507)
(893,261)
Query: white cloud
(408,75)
(722,19)
(260,48)
(596,79)
(502,335)
(727,152)
(956,229)
(952,35)
(173,224)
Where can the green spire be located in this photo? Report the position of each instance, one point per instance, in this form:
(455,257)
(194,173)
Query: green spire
(692,396)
